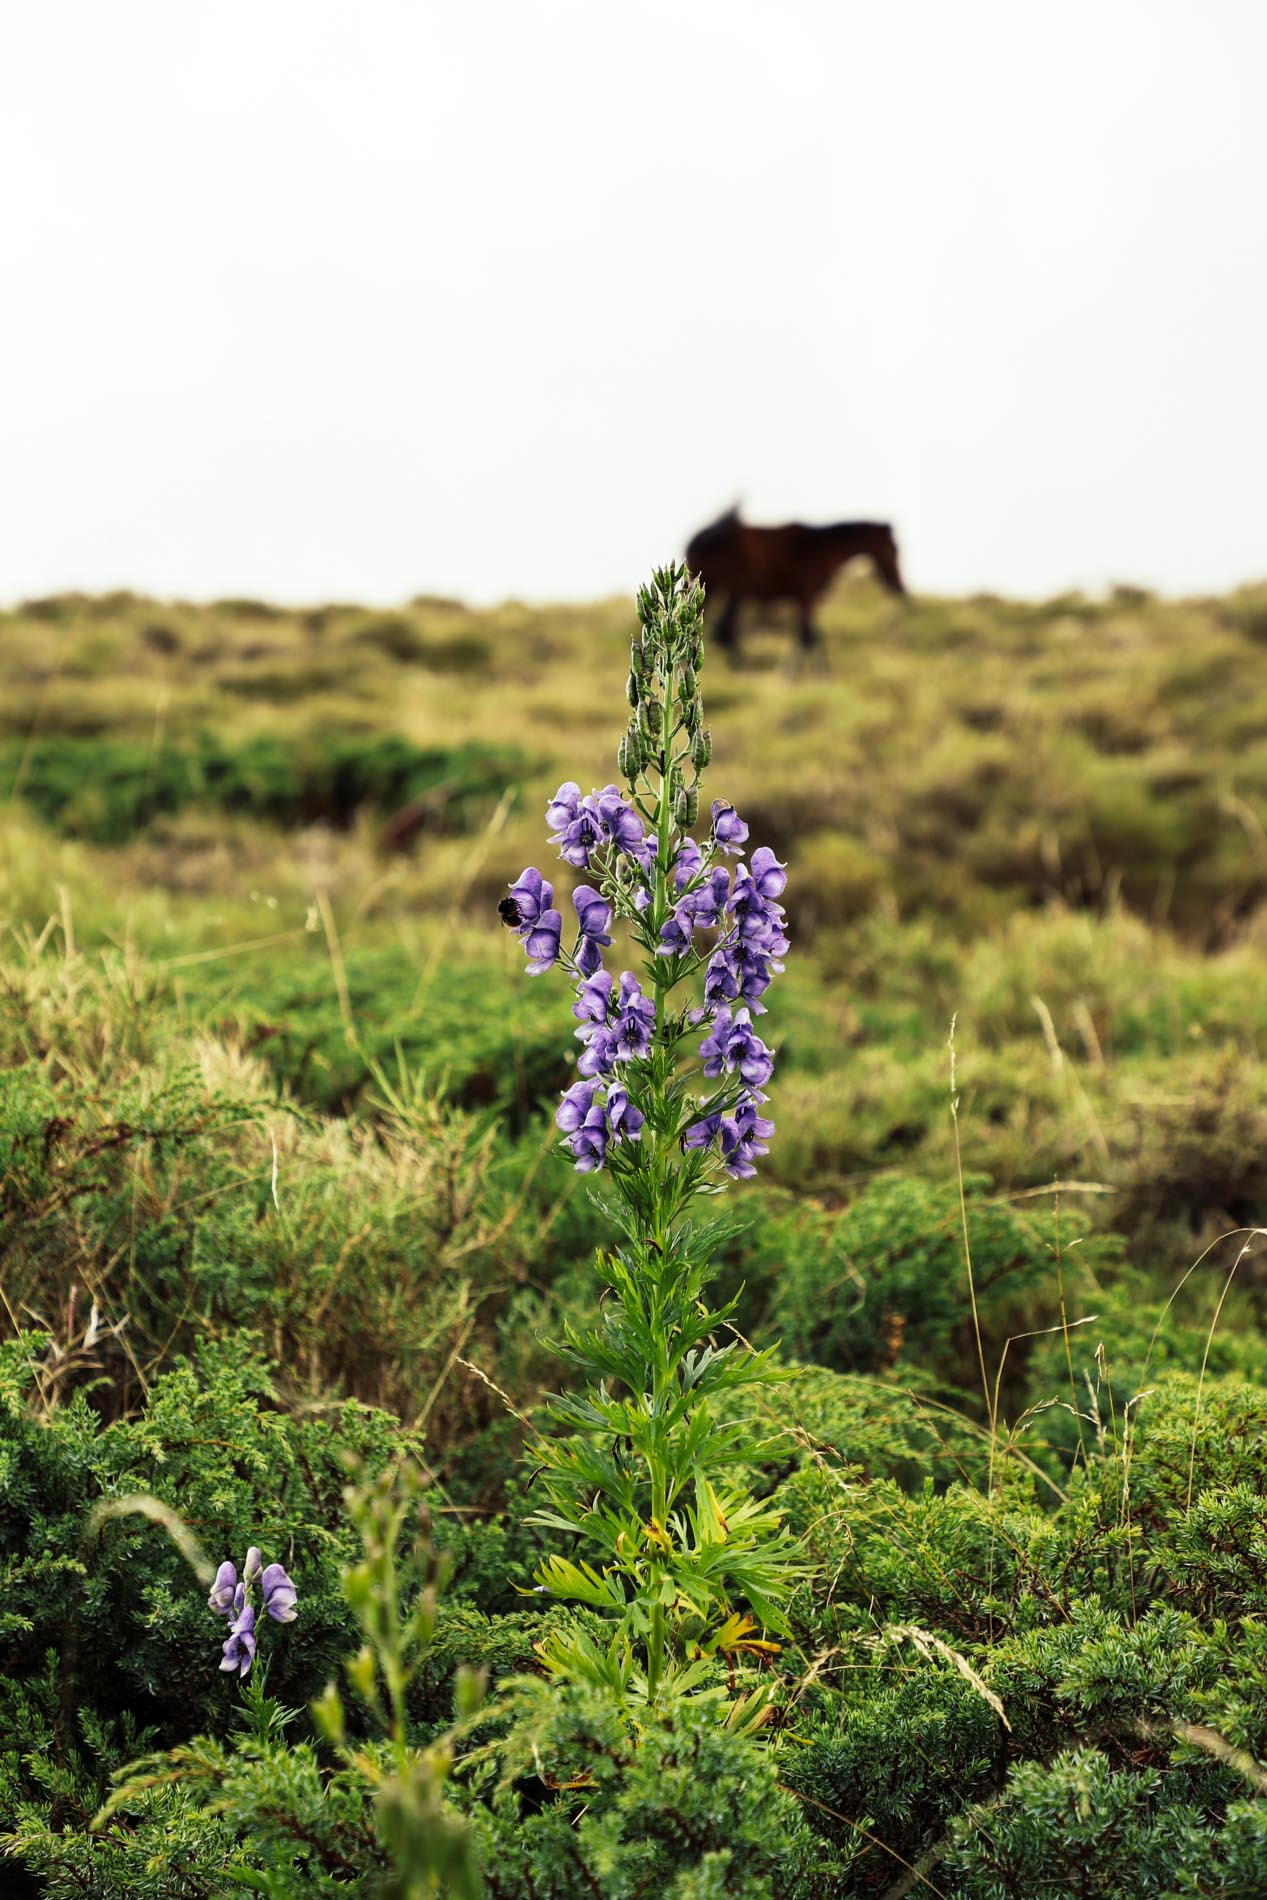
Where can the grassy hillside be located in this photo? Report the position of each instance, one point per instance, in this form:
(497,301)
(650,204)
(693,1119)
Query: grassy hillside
(269,1067)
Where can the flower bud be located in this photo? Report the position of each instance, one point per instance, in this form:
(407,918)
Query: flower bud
(686,807)
(702,749)
(651,717)
(631,690)
(687,684)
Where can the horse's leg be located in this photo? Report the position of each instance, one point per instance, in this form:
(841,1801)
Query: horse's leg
(807,634)
(726,630)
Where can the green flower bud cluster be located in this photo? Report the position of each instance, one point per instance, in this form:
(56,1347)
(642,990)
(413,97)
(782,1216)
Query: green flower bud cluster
(666,734)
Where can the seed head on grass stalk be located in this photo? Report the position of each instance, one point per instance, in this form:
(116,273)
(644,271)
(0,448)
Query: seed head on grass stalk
(640,1474)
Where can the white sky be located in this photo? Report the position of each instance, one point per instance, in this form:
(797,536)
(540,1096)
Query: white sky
(500,297)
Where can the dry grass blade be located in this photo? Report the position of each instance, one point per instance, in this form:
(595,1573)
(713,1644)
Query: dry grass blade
(931,1645)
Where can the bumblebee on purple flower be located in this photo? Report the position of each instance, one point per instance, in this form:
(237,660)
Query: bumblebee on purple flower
(690,912)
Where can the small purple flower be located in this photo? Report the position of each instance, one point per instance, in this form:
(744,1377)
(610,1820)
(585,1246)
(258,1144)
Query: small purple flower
(530,896)
(687,865)
(588,1142)
(598,1057)
(732,1045)
(224,1591)
(620,822)
(625,1120)
(758,920)
(700,1133)
(594,918)
(635,1022)
(769,876)
(562,809)
(280,1595)
(743,1136)
(593,1001)
(575,1106)
(729,829)
(527,911)
(236,1600)
(239,1650)
(709,902)
(721,978)
(542,942)
(675,933)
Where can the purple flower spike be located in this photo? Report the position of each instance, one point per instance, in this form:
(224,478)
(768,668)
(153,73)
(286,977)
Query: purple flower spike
(224,1590)
(239,1651)
(729,828)
(280,1595)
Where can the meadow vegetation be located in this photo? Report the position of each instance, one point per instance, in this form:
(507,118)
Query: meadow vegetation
(277,1183)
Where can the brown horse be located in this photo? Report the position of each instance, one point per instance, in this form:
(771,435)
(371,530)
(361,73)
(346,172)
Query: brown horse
(789,563)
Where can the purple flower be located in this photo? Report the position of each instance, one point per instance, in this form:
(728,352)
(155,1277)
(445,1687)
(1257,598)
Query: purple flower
(588,1142)
(758,920)
(743,1135)
(707,904)
(721,978)
(740,1137)
(769,876)
(625,1120)
(594,918)
(737,971)
(598,1057)
(574,1107)
(700,1133)
(280,1595)
(635,1022)
(562,809)
(675,933)
(223,1598)
(687,864)
(236,1600)
(527,911)
(239,1650)
(530,895)
(542,942)
(620,822)
(590,1125)
(732,1046)
(593,1000)
(729,829)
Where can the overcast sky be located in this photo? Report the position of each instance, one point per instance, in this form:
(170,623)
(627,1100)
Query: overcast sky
(503,297)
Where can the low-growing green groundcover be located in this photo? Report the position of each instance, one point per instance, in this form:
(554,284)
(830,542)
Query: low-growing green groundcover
(105,788)
(991,1687)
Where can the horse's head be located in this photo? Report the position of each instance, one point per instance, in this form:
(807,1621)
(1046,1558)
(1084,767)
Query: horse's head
(884,554)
